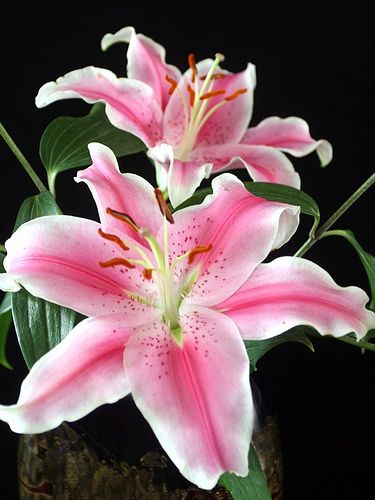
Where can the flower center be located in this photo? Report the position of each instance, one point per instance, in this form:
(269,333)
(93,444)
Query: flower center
(195,99)
(159,268)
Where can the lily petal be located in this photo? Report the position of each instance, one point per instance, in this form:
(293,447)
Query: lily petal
(291,135)
(83,372)
(146,61)
(126,193)
(292,291)
(130,104)
(179,390)
(264,164)
(57,258)
(183,178)
(7,283)
(219,223)
(229,123)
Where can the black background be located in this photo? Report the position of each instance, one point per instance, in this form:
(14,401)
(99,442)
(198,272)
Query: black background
(314,59)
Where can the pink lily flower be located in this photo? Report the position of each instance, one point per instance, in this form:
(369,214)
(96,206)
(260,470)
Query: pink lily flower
(193,124)
(169,300)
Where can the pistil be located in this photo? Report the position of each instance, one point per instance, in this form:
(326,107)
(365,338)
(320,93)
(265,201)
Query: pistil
(198,99)
(171,290)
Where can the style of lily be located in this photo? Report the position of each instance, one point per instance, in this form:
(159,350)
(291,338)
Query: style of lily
(169,300)
(193,124)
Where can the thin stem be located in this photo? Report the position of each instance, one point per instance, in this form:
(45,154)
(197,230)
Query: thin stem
(361,344)
(20,157)
(343,208)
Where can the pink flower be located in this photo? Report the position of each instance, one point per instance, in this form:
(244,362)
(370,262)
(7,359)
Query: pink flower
(168,307)
(193,124)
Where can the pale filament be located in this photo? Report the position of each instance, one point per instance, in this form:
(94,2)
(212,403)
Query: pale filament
(195,103)
(163,273)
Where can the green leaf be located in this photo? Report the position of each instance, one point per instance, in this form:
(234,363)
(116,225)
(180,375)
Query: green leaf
(252,487)
(5,322)
(6,305)
(269,191)
(39,324)
(369,336)
(258,348)
(368,260)
(37,206)
(64,143)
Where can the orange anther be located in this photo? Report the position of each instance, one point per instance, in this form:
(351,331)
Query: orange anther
(235,94)
(123,218)
(173,84)
(192,66)
(215,76)
(196,250)
(214,93)
(164,209)
(114,238)
(191,95)
(147,273)
(117,262)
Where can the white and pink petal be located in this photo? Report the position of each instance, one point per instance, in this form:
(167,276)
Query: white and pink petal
(264,163)
(291,291)
(230,121)
(58,259)
(146,61)
(179,390)
(126,193)
(84,371)
(232,252)
(130,104)
(291,135)
(184,178)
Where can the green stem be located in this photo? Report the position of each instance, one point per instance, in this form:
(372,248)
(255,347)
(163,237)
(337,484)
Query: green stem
(2,248)
(344,207)
(20,157)
(361,344)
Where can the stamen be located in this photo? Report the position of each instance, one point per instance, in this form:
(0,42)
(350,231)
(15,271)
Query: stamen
(164,209)
(216,76)
(235,94)
(213,93)
(192,66)
(191,95)
(197,250)
(117,262)
(172,83)
(123,218)
(114,238)
(147,273)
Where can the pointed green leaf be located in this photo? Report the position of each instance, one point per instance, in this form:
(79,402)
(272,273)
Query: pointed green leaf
(252,487)
(39,324)
(369,336)
(258,348)
(367,259)
(269,191)
(5,322)
(64,142)
(285,194)
(37,206)
(5,304)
